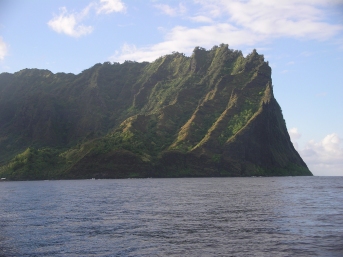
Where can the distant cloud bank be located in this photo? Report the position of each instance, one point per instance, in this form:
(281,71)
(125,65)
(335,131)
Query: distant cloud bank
(324,158)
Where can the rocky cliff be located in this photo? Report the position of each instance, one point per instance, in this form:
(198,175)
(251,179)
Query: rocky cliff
(210,114)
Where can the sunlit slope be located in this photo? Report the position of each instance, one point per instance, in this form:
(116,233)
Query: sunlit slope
(211,114)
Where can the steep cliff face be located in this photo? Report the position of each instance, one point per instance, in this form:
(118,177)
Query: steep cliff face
(211,114)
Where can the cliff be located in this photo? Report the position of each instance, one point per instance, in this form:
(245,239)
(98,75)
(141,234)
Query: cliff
(211,114)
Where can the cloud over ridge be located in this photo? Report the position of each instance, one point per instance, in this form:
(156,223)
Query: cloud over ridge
(240,23)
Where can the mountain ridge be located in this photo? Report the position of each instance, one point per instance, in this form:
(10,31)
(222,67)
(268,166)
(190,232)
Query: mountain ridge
(210,114)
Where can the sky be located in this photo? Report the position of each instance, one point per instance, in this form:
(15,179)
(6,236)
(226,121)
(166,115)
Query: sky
(301,39)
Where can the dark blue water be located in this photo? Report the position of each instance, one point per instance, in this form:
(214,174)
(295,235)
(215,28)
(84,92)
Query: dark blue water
(292,216)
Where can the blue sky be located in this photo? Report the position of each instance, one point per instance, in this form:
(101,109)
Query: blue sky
(301,39)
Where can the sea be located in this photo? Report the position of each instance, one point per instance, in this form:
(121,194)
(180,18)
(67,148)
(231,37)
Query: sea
(252,216)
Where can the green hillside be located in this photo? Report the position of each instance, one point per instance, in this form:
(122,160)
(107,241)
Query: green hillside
(211,114)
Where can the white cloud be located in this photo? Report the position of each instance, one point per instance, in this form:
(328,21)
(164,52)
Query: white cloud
(295,135)
(201,18)
(69,23)
(210,8)
(324,158)
(167,9)
(3,49)
(109,6)
(241,23)
(291,18)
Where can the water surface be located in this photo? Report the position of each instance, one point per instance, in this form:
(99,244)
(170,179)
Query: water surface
(287,216)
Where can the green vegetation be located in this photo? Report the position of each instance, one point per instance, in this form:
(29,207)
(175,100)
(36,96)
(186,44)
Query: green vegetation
(235,124)
(34,164)
(211,114)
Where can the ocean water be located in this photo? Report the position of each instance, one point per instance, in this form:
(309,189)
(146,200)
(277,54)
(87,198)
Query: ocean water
(277,216)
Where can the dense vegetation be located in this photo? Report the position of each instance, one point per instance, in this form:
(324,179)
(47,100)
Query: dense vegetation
(211,114)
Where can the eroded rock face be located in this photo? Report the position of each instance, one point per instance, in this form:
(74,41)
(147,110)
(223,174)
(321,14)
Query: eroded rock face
(211,114)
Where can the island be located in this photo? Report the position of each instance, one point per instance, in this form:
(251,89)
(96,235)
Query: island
(210,114)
